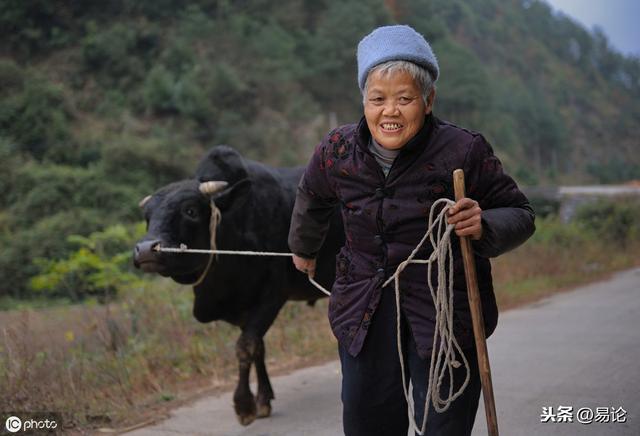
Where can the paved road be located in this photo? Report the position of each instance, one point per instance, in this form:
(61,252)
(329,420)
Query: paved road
(579,349)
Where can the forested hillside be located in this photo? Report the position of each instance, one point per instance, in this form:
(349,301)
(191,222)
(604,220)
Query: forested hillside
(103,102)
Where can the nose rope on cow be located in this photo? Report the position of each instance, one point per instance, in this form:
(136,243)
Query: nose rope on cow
(445,345)
(216,218)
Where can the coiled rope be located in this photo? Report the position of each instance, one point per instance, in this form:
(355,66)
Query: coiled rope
(443,361)
(445,345)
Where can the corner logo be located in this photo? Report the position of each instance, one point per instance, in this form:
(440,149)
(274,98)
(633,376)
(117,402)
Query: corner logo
(13,424)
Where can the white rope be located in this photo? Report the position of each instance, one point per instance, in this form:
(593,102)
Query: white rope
(183,249)
(445,345)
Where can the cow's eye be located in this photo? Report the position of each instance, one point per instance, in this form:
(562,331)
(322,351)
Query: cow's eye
(191,212)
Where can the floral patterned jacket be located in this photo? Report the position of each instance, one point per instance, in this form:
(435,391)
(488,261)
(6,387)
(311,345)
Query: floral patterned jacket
(385,218)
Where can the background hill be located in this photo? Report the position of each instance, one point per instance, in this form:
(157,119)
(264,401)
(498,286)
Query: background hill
(103,102)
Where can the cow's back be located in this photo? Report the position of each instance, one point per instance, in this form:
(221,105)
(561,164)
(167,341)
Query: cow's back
(287,180)
(262,224)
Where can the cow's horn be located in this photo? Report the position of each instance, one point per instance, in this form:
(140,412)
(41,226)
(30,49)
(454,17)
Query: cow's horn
(210,188)
(144,201)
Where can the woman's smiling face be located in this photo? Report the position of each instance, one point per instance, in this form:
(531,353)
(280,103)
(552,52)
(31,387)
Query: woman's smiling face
(394,108)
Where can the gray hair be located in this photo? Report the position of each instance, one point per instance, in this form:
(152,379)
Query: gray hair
(420,76)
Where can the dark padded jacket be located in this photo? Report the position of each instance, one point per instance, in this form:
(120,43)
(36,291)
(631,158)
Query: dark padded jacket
(385,218)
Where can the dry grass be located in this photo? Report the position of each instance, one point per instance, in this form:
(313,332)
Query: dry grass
(556,260)
(113,365)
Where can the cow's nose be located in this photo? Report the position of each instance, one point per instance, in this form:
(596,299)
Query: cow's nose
(144,251)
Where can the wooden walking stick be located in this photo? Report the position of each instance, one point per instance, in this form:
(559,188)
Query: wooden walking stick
(476,316)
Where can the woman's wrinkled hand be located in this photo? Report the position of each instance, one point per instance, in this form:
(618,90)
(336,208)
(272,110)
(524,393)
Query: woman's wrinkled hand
(466,215)
(307,266)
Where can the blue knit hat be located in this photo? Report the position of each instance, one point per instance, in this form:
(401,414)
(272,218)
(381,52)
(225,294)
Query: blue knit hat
(394,43)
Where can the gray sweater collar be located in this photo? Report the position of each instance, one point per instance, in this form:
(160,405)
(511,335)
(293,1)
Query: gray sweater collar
(384,157)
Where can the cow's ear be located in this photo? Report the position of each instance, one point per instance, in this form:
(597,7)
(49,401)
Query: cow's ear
(232,197)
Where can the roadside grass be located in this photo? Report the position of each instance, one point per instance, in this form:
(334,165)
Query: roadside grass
(513,292)
(558,257)
(113,365)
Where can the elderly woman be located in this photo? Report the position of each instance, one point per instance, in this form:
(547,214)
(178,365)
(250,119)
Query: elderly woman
(385,172)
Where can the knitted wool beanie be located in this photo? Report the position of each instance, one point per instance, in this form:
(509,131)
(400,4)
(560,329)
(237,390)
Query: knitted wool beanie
(394,43)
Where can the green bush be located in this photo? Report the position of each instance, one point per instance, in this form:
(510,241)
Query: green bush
(199,94)
(550,231)
(10,162)
(616,220)
(120,54)
(544,206)
(179,56)
(42,190)
(614,170)
(28,27)
(195,24)
(47,238)
(35,117)
(41,204)
(11,77)
(158,89)
(465,90)
(146,165)
(99,267)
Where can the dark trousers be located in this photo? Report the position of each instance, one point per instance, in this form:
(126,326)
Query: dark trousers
(372,395)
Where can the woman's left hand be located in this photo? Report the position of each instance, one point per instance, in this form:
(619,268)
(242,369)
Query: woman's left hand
(466,215)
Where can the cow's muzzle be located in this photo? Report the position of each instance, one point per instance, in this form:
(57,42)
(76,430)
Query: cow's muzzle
(146,257)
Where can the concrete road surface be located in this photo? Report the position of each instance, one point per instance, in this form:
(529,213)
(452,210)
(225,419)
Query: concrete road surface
(579,349)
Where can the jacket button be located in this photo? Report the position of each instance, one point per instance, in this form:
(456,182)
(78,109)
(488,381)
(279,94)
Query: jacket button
(379,193)
(378,240)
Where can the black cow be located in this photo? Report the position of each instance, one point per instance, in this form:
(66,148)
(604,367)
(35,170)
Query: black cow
(247,291)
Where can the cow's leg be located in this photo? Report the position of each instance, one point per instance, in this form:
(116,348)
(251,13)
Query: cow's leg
(265,391)
(250,349)
(243,401)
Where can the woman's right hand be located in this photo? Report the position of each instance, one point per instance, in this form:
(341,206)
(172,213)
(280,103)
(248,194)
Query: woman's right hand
(307,266)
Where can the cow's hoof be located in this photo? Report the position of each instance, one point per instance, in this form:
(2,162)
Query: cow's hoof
(246,412)
(246,419)
(264,410)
